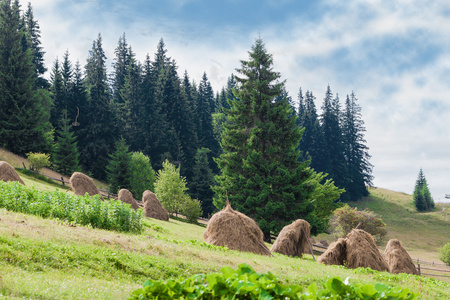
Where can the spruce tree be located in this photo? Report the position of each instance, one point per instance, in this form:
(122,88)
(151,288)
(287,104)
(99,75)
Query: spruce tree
(359,168)
(118,168)
(24,124)
(59,96)
(34,43)
(65,156)
(101,122)
(202,181)
(422,196)
(333,159)
(260,169)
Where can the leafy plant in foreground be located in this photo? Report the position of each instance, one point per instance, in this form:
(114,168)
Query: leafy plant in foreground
(245,283)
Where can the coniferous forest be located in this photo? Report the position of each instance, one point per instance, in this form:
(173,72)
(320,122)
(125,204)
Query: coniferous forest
(91,120)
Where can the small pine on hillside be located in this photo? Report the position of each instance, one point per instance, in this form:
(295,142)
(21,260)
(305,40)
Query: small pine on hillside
(422,196)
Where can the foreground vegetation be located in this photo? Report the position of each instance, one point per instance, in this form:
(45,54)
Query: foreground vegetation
(48,259)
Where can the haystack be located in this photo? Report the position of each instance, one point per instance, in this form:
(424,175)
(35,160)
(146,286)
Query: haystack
(8,173)
(324,243)
(293,239)
(236,231)
(362,252)
(82,184)
(335,254)
(398,259)
(126,197)
(153,208)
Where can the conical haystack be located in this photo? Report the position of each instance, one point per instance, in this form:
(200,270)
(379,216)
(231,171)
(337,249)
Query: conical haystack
(236,231)
(8,173)
(82,184)
(398,259)
(335,254)
(362,252)
(126,197)
(153,208)
(293,239)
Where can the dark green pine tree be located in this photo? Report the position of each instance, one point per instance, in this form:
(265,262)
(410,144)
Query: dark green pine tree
(260,169)
(422,196)
(205,108)
(131,112)
(59,95)
(151,122)
(67,74)
(24,124)
(118,168)
(78,106)
(122,63)
(203,179)
(418,196)
(34,42)
(101,123)
(65,154)
(333,160)
(359,169)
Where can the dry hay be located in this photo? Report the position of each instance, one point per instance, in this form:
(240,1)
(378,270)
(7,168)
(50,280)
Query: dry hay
(335,254)
(293,239)
(82,184)
(153,208)
(236,231)
(362,252)
(398,259)
(126,197)
(8,173)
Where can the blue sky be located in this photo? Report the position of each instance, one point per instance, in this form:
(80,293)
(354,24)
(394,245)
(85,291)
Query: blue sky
(395,55)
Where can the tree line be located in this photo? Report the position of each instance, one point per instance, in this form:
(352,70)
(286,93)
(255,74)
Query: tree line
(90,120)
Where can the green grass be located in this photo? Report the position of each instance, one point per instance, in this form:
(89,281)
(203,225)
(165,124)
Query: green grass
(51,259)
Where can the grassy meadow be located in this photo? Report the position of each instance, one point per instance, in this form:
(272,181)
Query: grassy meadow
(51,259)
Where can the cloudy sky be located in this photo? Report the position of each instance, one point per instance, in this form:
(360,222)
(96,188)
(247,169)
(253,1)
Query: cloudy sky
(395,55)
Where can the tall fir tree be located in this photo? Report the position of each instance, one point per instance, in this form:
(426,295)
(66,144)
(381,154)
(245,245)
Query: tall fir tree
(202,181)
(101,123)
(34,43)
(422,196)
(359,169)
(24,124)
(65,155)
(333,160)
(260,170)
(58,95)
(205,108)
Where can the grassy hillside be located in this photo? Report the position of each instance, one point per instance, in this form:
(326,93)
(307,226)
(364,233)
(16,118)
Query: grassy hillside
(422,234)
(51,259)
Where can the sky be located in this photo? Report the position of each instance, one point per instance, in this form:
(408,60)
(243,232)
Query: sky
(394,55)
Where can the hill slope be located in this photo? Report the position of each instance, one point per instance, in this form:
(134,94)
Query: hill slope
(422,234)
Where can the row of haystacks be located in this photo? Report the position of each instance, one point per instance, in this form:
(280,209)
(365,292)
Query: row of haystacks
(237,231)
(358,249)
(82,184)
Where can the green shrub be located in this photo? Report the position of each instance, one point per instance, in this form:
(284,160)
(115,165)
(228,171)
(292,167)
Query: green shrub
(38,160)
(444,254)
(191,209)
(170,187)
(86,210)
(344,219)
(245,283)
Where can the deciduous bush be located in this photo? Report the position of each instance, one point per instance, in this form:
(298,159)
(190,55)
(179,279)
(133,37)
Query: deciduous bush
(444,254)
(170,187)
(191,209)
(38,160)
(344,219)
